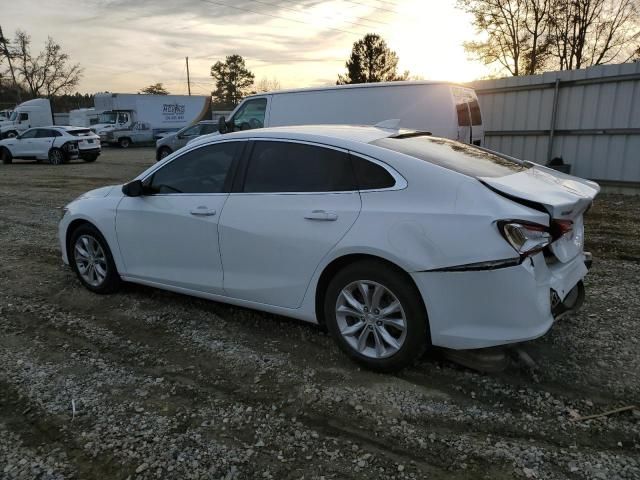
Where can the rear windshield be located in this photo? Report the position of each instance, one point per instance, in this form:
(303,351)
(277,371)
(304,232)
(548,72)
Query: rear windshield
(80,132)
(459,157)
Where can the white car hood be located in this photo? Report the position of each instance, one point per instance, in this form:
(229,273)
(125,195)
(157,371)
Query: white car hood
(563,196)
(97,193)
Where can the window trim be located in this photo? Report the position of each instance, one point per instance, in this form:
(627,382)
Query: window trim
(228,183)
(238,186)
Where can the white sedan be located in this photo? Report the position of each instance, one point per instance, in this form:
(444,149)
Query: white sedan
(57,144)
(395,240)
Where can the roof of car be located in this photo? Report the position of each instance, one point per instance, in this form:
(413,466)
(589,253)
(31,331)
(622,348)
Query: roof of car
(351,133)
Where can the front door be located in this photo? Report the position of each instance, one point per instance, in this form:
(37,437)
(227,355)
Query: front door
(298,200)
(170,235)
(25,145)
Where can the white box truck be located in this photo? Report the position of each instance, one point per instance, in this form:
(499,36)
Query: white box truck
(84,117)
(444,109)
(160,113)
(32,113)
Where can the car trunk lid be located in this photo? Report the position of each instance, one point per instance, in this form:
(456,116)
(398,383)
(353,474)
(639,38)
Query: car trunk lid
(564,197)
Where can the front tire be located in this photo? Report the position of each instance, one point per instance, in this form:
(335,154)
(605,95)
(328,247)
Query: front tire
(163,152)
(6,156)
(56,156)
(375,314)
(90,257)
(124,143)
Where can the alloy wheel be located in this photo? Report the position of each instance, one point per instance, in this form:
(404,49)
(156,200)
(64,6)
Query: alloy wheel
(56,157)
(90,260)
(371,319)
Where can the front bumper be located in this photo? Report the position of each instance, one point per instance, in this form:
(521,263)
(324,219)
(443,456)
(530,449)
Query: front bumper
(478,309)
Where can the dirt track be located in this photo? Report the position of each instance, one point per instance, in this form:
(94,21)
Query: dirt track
(167,386)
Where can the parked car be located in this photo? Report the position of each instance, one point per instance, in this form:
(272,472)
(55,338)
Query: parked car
(139,134)
(171,142)
(444,109)
(393,239)
(57,144)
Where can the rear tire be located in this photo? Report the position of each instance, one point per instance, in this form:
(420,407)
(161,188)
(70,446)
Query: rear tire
(6,156)
(124,142)
(380,341)
(56,156)
(90,257)
(90,158)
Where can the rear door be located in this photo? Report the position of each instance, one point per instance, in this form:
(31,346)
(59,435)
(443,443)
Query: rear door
(296,202)
(44,141)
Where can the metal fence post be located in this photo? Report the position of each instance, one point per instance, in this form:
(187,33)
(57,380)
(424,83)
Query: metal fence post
(554,112)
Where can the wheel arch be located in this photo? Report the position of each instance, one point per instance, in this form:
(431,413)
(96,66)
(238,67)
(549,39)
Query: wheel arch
(341,262)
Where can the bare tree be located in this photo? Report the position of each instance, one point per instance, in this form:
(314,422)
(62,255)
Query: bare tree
(594,32)
(6,54)
(49,72)
(267,85)
(524,37)
(516,32)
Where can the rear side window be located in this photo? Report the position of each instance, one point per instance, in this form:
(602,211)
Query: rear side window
(371,176)
(47,133)
(459,157)
(296,167)
(202,170)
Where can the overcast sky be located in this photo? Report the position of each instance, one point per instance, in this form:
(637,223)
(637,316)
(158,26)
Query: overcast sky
(125,45)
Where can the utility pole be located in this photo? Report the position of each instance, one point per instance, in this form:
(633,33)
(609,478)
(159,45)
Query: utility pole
(5,50)
(188,79)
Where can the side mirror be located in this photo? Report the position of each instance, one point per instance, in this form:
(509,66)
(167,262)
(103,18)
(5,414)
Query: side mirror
(222,125)
(133,189)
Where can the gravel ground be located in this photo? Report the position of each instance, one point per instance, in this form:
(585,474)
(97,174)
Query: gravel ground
(150,384)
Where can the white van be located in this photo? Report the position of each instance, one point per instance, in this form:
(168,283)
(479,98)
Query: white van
(29,114)
(444,109)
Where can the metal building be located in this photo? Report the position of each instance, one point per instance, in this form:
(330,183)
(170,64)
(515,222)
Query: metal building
(590,118)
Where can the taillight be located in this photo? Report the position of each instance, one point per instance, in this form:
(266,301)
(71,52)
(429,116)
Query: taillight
(525,238)
(560,228)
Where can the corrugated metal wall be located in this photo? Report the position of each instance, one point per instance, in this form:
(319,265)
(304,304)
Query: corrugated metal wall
(597,119)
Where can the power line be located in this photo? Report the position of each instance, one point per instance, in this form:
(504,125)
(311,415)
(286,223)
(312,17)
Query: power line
(278,17)
(377,7)
(325,17)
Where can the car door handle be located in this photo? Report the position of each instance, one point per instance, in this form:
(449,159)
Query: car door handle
(203,212)
(322,215)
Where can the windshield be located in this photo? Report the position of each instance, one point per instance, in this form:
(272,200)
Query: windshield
(13,116)
(107,117)
(459,157)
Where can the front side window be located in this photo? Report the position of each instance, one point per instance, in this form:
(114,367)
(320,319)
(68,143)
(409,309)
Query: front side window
(23,117)
(208,128)
(123,118)
(29,134)
(296,167)
(191,131)
(250,115)
(202,170)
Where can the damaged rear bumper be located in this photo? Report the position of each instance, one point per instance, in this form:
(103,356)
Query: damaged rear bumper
(484,308)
